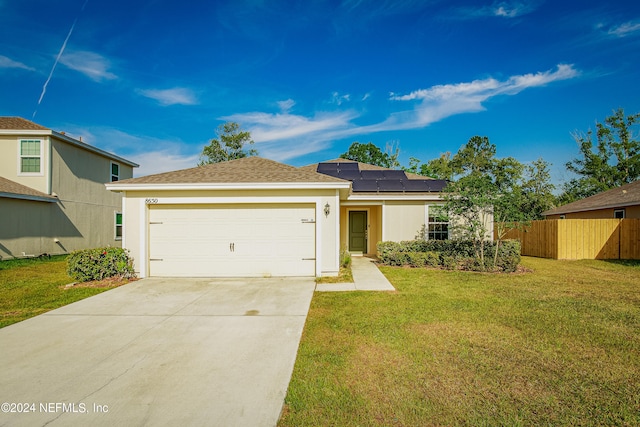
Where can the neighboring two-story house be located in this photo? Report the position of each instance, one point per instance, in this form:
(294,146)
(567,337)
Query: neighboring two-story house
(52,194)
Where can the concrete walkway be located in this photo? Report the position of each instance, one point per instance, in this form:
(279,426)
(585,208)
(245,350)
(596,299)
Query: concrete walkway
(366,277)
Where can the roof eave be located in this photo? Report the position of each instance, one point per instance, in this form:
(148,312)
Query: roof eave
(49,199)
(396,196)
(93,149)
(596,208)
(230,186)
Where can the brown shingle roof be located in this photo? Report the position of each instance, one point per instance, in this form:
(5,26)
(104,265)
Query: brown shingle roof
(19,123)
(363,167)
(10,188)
(626,195)
(245,170)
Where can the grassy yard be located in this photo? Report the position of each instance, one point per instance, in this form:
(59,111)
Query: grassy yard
(556,346)
(29,287)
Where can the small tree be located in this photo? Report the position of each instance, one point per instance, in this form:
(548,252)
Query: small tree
(230,144)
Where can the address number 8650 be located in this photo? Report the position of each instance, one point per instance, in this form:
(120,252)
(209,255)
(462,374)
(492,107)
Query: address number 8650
(151,201)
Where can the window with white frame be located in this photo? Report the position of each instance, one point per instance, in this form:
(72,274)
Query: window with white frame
(118,226)
(115,172)
(438,223)
(618,213)
(30,156)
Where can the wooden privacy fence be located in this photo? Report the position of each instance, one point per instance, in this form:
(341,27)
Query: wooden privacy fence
(580,238)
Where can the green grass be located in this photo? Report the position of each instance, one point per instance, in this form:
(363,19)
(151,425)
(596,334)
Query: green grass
(556,346)
(29,287)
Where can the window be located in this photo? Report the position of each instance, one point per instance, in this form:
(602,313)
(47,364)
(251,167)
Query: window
(30,156)
(618,213)
(563,216)
(115,172)
(438,224)
(118,226)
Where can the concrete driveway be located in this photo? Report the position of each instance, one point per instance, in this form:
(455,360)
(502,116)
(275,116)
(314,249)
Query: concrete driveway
(214,352)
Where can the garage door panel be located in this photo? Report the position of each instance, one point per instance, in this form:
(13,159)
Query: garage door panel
(232,240)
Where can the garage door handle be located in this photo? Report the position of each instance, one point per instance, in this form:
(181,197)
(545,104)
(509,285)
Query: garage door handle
(232,247)
(308,259)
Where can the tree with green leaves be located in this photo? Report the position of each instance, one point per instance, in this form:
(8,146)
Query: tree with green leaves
(231,143)
(371,154)
(439,168)
(611,161)
(487,189)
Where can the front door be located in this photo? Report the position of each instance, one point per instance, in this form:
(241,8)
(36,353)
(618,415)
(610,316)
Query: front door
(358,231)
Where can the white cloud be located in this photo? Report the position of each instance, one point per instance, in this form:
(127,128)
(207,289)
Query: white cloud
(6,62)
(92,65)
(502,9)
(338,99)
(439,102)
(286,105)
(625,29)
(174,96)
(283,136)
(267,127)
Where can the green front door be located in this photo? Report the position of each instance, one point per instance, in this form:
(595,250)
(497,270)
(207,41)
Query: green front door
(358,231)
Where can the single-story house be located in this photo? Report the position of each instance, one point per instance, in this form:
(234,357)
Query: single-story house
(620,202)
(52,194)
(258,217)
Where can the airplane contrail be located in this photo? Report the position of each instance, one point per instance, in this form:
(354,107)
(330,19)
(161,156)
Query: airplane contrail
(64,45)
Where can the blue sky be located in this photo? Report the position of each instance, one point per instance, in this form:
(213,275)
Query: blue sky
(152,79)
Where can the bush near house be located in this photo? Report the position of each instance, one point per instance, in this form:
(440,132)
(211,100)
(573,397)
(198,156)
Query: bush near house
(100,263)
(450,254)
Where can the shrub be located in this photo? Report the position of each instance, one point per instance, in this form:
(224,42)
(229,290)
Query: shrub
(100,263)
(450,254)
(345,259)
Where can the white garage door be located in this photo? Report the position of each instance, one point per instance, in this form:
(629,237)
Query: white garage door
(232,240)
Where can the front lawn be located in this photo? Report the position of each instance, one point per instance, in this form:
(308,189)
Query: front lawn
(29,287)
(556,346)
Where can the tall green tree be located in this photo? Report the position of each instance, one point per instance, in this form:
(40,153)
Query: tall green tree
(231,143)
(613,159)
(372,154)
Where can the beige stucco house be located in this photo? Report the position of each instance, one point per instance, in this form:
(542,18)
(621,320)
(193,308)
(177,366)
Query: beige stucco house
(258,217)
(52,194)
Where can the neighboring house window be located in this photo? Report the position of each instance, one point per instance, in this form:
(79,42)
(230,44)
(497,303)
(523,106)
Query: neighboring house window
(438,224)
(115,172)
(118,226)
(30,156)
(563,216)
(618,213)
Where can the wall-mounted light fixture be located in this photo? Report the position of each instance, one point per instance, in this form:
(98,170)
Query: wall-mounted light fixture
(327,210)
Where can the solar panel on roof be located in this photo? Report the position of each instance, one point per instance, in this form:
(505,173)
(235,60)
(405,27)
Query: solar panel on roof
(349,174)
(364,185)
(389,185)
(394,175)
(327,167)
(424,185)
(348,166)
(369,174)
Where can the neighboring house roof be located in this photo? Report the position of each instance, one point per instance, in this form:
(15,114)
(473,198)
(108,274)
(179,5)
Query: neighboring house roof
(19,123)
(13,190)
(626,195)
(20,126)
(247,170)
